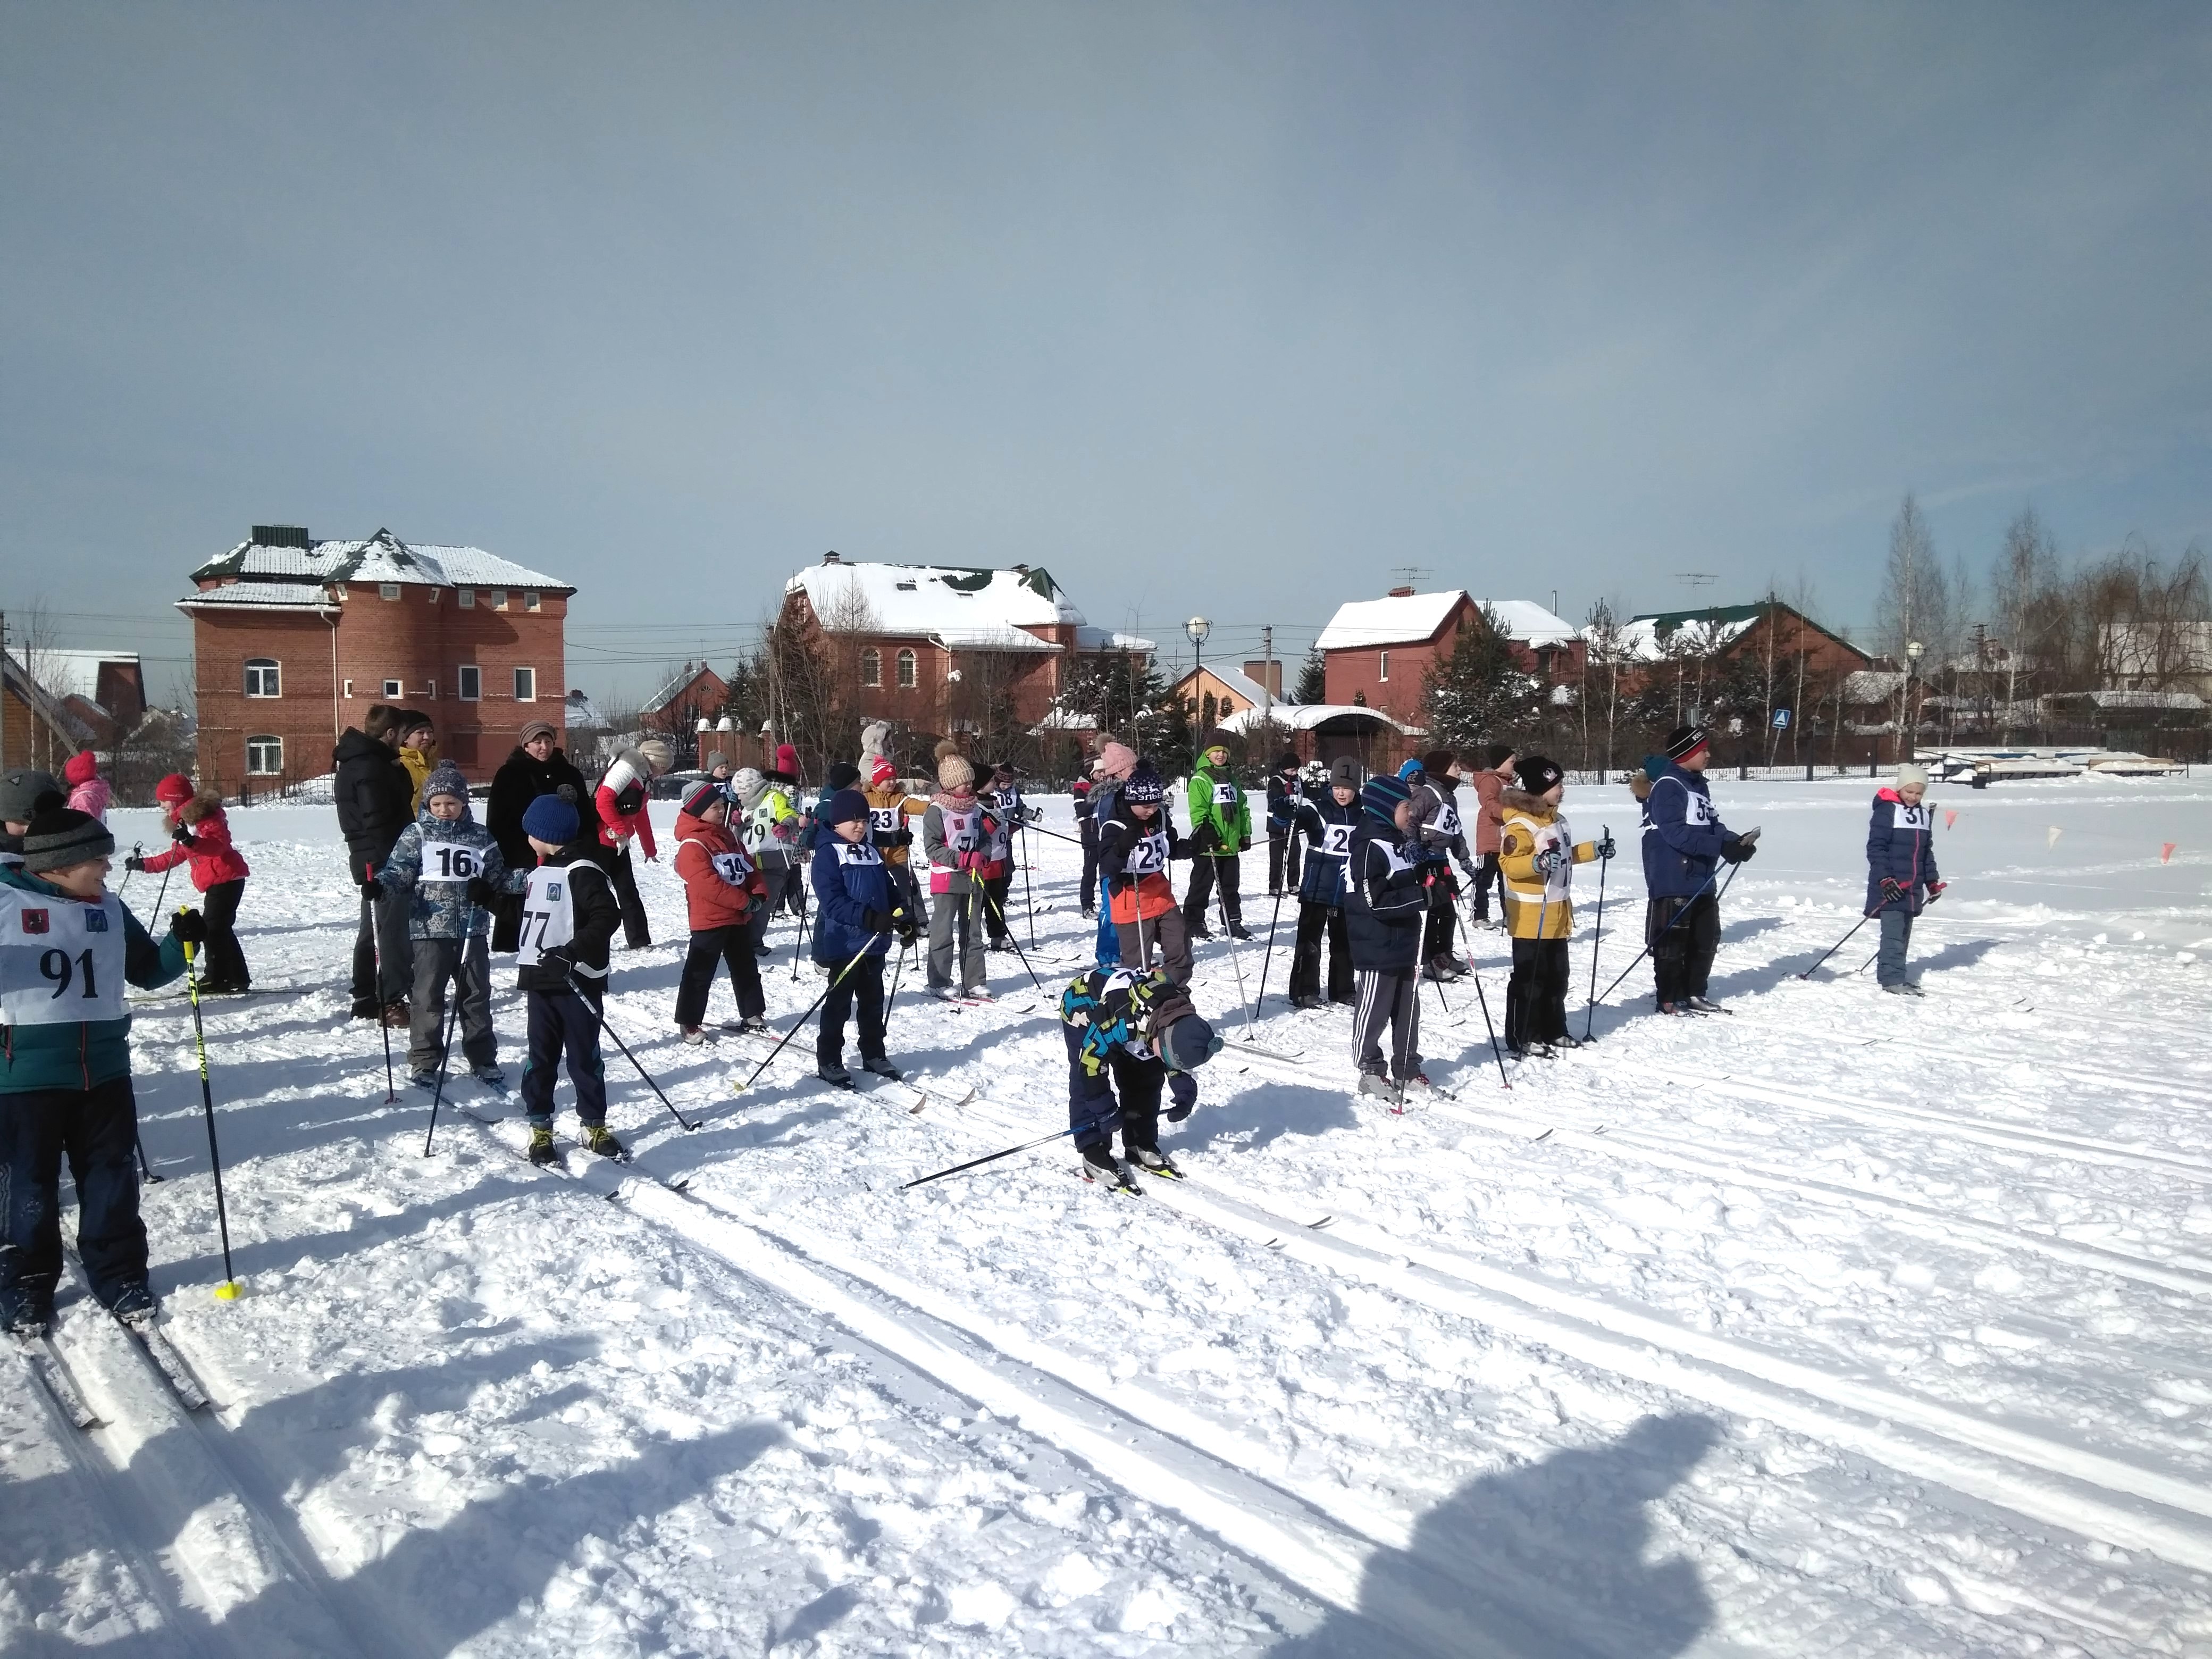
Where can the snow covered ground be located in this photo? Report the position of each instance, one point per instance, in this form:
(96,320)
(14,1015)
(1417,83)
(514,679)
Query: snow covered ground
(1841,1325)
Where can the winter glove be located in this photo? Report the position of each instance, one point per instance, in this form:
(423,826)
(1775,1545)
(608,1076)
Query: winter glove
(1736,850)
(1244,845)
(1033,815)
(481,894)
(879,921)
(557,961)
(181,836)
(1892,890)
(190,928)
(1182,1087)
(134,863)
(371,890)
(1935,890)
(1605,846)
(908,931)
(1551,861)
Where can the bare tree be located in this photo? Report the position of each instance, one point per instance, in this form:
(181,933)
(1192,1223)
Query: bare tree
(1605,650)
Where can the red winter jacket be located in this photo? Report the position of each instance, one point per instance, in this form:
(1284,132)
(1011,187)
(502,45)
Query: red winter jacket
(621,800)
(721,882)
(215,860)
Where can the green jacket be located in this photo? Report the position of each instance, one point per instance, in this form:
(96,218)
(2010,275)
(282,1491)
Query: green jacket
(89,1052)
(1218,806)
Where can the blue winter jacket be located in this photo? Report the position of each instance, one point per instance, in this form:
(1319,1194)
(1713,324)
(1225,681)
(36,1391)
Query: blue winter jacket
(441,905)
(1901,844)
(1682,833)
(81,1053)
(1386,897)
(1328,829)
(850,879)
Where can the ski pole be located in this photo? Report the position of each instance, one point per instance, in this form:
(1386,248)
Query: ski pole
(1840,943)
(898,969)
(800,1022)
(376,948)
(992,1158)
(1235,960)
(1029,898)
(600,1014)
(799,944)
(1020,955)
(1597,935)
(1685,910)
(145,1170)
(1496,1052)
(1268,956)
(453,1020)
(137,851)
(227,1290)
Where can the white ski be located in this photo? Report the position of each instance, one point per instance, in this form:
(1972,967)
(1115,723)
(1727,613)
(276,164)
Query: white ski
(166,1360)
(44,1365)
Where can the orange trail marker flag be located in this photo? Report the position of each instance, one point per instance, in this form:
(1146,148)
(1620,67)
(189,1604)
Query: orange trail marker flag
(1949,818)
(2166,852)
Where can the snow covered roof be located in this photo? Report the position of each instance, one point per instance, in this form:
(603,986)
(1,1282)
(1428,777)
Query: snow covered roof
(1866,685)
(262,595)
(1411,618)
(1234,682)
(2182,700)
(679,683)
(963,610)
(577,709)
(1304,716)
(1088,638)
(1646,639)
(383,557)
(47,707)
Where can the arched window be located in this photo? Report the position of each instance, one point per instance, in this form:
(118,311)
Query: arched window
(264,758)
(872,666)
(907,668)
(262,678)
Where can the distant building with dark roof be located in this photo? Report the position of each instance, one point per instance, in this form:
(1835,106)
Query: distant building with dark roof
(294,640)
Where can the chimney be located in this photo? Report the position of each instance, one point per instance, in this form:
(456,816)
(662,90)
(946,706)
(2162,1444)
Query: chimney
(1401,593)
(831,557)
(282,535)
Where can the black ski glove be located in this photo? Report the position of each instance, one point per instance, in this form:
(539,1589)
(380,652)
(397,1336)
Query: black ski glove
(880,921)
(1736,850)
(134,863)
(1604,848)
(908,931)
(181,836)
(190,927)
(483,894)
(558,961)
(371,890)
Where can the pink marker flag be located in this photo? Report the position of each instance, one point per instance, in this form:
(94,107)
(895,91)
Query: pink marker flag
(1949,818)
(2166,852)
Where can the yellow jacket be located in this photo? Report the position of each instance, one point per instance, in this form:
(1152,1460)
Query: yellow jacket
(419,763)
(1531,830)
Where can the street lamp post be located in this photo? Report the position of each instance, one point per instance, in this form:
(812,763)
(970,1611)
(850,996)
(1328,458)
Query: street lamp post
(1198,628)
(1908,747)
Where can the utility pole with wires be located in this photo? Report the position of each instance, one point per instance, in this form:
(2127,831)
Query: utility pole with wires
(1266,675)
(3,691)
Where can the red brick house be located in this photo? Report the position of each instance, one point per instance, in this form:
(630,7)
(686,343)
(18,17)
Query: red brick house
(37,728)
(1664,644)
(1377,652)
(691,694)
(294,640)
(922,644)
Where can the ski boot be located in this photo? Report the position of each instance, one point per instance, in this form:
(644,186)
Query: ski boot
(1705,1005)
(1239,930)
(597,1137)
(751,1025)
(881,1067)
(489,1075)
(1101,1167)
(136,1304)
(1154,1162)
(541,1147)
(425,1079)
(833,1073)
(1904,988)
(1374,1083)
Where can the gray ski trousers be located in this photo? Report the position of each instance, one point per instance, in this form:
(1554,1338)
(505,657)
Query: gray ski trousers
(1896,941)
(962,911)
(436,962)
(1388,997)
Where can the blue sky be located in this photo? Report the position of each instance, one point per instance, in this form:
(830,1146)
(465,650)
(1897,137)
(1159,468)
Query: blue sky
(1224,309)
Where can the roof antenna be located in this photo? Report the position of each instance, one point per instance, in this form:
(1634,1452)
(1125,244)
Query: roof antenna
(1694,580)
(1410,576)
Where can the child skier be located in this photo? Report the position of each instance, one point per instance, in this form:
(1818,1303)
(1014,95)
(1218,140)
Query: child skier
(88,790)
(1129,1032)
(1284,798)
(956,838)
(1441,836)
(1086,831)
(856,917)
(721,888)
(771,837)
(453,866)
(201,832)
(65,1062)
(1685,842)
(569,914)
(621,802)
(1327,827)
(1489,782)
(1901,877)
(889,807)
(1117,762)
(1221,835)
(1135,844)
(1537,854)
(1003,800)
(1386,902)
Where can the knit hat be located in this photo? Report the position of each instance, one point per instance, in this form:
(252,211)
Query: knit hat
(658,755)
(748,785)
(23,791)
(715,758)
(1382,795)
(702,795)
(549,819)
(1535,775)
(1286,762)
(446,779)
(1116,760)
(174,790)
(882,772)
(1497,754)
(786,759)
(413,720)
(1685,741)
(1213,749)
(1188,1044)
(58,837)
(1344,774)
(845,806)
(82,766)
(843,775)
(1002,768)
(1410,770)
(537,729)
(1911,772)
(1438,763)
(1143,787)
(954,773)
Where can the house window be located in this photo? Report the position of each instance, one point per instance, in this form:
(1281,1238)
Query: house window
(908,670)
(1382,664)
(392,692)
(530,602)
(262,677)
(387,590)
(466,598)
(430,690)
(499,598)
(265,756)
(349,688)
(872,666)
(472,683)
(525,685)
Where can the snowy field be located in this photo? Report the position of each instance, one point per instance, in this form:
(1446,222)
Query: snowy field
(1841,1325)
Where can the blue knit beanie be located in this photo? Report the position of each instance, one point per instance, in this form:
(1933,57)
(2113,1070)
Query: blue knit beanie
(446,779)
(1412,769)
(844,807)
(1382,795)
(549,819)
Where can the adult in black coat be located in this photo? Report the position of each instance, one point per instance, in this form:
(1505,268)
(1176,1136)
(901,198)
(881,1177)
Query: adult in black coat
(536,768)
(374,797)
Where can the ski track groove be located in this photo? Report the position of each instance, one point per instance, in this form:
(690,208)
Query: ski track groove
(2087,1492)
